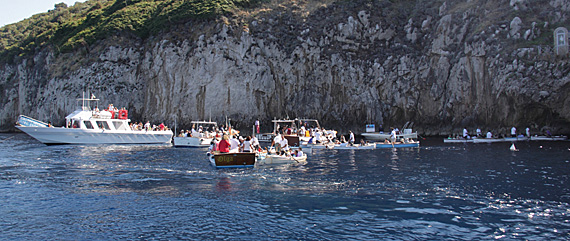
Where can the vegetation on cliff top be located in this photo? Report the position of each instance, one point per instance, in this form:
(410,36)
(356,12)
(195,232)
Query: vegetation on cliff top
(66,28)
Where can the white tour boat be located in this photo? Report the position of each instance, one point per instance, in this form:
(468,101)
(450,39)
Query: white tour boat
(87,126)
(197,137)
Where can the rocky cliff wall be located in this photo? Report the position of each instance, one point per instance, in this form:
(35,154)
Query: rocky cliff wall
(442,65)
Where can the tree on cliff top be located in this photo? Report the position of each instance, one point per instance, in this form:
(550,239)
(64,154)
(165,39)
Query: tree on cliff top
(66,28)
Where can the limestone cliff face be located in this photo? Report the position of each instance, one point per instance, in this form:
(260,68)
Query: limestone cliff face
(442,65)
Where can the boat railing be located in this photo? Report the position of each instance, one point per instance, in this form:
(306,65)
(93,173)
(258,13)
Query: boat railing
(30,122)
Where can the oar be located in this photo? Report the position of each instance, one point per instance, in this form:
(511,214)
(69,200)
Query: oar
(7,139)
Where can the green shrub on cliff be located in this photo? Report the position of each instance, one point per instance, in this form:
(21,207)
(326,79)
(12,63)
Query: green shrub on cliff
(67,28)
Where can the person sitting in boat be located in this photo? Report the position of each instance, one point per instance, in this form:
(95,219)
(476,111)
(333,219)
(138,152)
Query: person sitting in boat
(299,152)
(311,140)
(318,137)
(351,138)
(147,126)
(393,135)
(362,142)
(247,145)
(479,134)
(465,133)
(514,132)
(342,139)
(489,135)
(49,124)
(224,145)
(213,145)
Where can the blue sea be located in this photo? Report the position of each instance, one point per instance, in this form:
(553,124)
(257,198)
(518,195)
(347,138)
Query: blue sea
(157,192)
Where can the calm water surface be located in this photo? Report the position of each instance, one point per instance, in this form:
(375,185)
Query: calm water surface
(436,192)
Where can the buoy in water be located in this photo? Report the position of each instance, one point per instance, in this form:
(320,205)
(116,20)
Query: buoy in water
(513,147)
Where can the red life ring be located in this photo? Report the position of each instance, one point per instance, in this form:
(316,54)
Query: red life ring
(123,114)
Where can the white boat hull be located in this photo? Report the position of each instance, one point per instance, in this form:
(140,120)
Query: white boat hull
(355,147)
(278,159)
(48,135)
(191,142)
(489,140)
(447,140)
(546,138)
(376,136)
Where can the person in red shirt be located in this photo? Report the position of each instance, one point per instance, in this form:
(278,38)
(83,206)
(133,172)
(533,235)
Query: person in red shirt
(161,126)
(224,145)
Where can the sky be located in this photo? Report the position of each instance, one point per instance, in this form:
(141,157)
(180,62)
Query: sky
(12,11)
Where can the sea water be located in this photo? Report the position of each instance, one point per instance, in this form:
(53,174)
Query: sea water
(157,192)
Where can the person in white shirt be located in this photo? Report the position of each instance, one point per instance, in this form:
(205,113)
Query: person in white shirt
(479,134)
(351,138)
(284,146)
(513,132)
(465,133)
(317,137)
(489,135)
(276,142)
(247,145)
(393,135)
(254,143)
(527,132)
(234,144)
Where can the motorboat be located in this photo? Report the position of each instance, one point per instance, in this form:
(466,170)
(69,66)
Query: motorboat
(232,160)
(299,127)
(91,126)
(201,135)
(372,135)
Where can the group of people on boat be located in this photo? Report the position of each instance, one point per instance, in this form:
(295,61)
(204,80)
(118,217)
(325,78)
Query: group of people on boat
(234,143)
(148,127)
(489,134)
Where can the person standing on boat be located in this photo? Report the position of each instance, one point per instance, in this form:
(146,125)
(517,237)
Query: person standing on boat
(254,142)
(276,142)
(393,135)
(284,146)
(351,138)
(257,126)
(224,145)
(489,135)
(465,133)
(528,132)
(234,144)
(513,132)
(247,145)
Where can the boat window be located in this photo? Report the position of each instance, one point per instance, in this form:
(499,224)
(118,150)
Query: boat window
(119,125)
(103,125)
(88,124)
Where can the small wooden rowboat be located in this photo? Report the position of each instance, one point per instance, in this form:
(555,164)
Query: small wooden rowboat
(281,159)
(233,160)
(380,145)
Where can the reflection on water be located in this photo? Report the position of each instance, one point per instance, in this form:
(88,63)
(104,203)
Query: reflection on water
(455,192)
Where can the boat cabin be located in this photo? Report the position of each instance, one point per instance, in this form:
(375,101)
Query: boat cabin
(93,119)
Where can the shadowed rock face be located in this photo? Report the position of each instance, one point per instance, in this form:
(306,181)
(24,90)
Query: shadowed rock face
(442,65)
